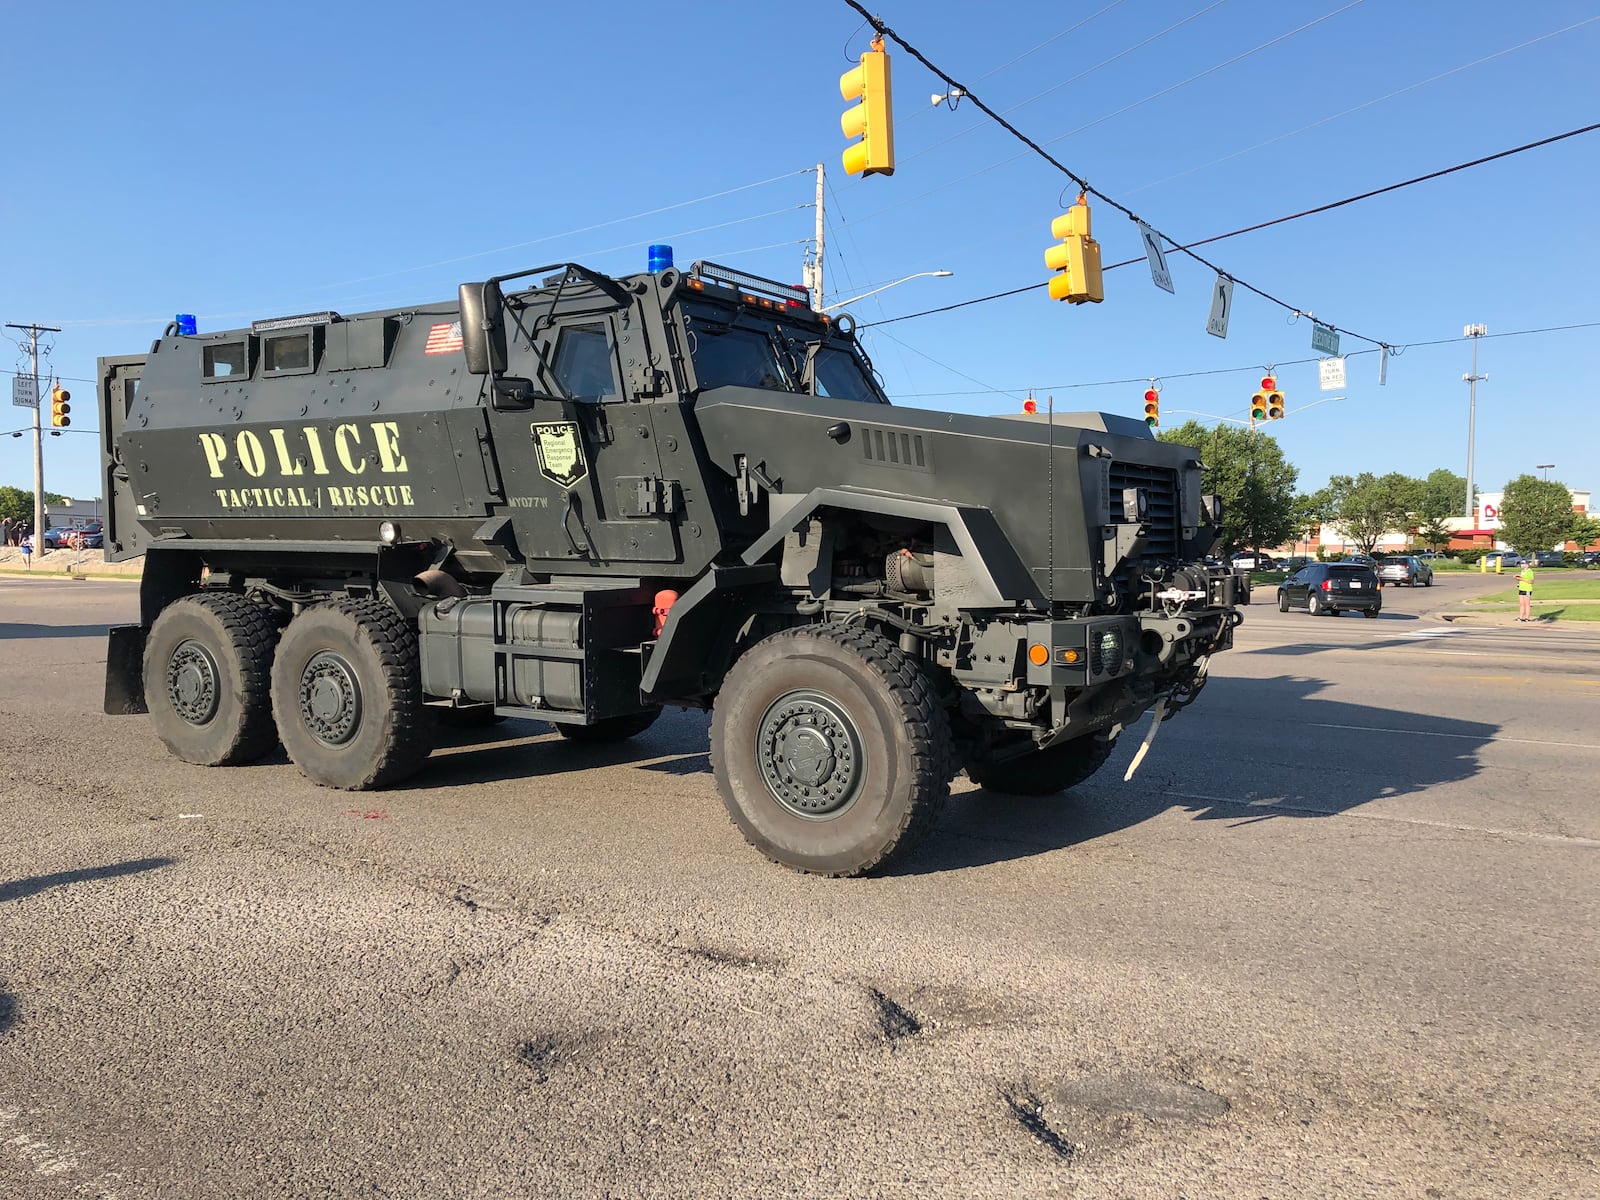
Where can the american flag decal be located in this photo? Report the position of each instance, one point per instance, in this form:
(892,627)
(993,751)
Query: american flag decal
(444,339)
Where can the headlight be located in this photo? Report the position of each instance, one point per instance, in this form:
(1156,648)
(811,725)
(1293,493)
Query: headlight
(1110,645)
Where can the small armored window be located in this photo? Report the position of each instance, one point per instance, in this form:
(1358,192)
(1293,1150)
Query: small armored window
(289,352)
(583,363)
(225,360)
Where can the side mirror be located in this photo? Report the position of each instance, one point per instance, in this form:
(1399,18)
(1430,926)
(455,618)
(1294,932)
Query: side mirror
(483,332)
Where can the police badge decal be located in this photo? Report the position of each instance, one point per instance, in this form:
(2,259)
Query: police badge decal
(560,452)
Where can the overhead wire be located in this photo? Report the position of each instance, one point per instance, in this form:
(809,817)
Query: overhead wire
(1084,187)
(1308,212)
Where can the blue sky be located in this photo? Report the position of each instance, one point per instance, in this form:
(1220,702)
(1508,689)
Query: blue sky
(248,161)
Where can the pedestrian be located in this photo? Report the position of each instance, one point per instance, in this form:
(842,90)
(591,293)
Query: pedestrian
(1525,592)
(27,553)
(5,531)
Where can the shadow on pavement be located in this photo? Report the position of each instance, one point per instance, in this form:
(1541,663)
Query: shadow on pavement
(8,1011)
(1273,727)
(18,888)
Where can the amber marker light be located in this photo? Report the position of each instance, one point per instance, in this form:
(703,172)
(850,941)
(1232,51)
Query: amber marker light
(1038,654)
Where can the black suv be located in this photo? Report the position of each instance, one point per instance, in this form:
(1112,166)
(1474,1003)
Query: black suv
(1328,589)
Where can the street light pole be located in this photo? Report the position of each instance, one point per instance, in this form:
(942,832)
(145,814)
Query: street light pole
(1546,468)
(33,332)
(884,288)
(1474,332)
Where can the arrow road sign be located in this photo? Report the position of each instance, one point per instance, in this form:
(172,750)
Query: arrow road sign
(1158,258)
(1221,306)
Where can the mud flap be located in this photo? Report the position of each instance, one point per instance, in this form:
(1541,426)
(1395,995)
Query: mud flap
(125,670)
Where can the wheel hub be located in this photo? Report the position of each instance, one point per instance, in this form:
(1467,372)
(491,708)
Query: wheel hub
(810,753)
(330,699)
(192,683)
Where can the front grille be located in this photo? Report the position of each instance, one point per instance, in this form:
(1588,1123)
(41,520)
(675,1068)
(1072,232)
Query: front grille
(1160,486)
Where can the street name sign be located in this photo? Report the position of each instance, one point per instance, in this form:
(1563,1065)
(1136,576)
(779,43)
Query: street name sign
(1324,339)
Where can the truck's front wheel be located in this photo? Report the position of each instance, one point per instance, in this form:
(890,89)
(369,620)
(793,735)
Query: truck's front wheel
(829,750)
(207,663)
(1044,772)
(347,690)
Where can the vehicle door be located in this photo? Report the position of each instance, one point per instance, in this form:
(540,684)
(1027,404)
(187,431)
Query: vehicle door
(589,491)
(1298,586)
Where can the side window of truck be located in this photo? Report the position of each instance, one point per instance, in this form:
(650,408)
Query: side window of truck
(583,363)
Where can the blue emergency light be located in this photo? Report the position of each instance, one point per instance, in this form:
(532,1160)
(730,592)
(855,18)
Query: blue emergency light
(660,259)
(186,325)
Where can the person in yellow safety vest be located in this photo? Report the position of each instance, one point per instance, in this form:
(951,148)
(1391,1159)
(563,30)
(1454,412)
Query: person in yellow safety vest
(1525,592)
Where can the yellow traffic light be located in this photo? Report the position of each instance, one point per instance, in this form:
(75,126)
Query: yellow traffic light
(1076,260)
(1152,408)
(1258,402)
(872,120)
(59,408)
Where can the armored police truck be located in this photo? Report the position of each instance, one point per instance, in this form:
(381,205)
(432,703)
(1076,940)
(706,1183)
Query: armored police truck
(582,498)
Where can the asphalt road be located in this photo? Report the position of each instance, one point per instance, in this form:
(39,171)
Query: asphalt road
(1336,938)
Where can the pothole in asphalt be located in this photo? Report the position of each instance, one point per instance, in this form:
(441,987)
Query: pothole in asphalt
(1095,1111)
(894,1021)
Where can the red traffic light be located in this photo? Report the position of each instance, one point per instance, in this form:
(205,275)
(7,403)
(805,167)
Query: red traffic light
(1268,383)
(1152,396)
(1030,405)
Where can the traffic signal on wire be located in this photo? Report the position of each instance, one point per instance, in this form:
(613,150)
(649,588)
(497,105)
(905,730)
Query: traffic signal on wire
(1258,402)
(1152,408)
(59,408)
(1076,260)
(871,120)
(1274,404)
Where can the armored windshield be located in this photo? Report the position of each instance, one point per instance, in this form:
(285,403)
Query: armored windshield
(742,349)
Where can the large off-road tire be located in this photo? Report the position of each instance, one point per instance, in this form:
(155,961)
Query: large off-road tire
(830,750)
(1044,772)
(610,729)
(207,672)
(347,691)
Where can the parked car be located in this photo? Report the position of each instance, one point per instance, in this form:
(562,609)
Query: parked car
(1505,559)
(1250,561)
(1327,589)
(1409,570)
(1589,559)
(1427,555)
(1363,560)
(1549,558)
(1293,563)
(56,538)
(93,539)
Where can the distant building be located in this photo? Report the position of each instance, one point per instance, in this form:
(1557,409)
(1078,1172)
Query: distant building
(75,513)
(1482,532)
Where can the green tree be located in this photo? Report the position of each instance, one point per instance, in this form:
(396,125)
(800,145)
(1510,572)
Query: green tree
(1444,495)
(1535,514)
(1584,531)
(1369,506)
(1248,471)
(1434,531)
(16,503)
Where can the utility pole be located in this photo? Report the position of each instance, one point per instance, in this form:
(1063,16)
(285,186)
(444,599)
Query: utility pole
(1474,332)
(813,268)
(33,332)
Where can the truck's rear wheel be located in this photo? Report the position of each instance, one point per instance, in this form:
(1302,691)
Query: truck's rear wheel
(610,729)
(1043,772)
(829,750)
(347,689)
(207,671)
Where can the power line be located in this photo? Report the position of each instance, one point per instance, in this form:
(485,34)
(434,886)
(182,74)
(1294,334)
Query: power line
(1255,368)
(1321,208)
(1083,186)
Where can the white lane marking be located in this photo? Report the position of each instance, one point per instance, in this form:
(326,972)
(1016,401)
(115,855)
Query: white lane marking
(1431,633)
(1470,737)
(1267,805)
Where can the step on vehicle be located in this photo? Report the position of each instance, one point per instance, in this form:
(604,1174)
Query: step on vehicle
(586,498)
(1328,589)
